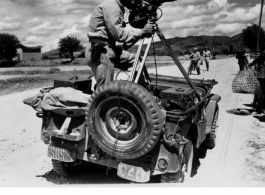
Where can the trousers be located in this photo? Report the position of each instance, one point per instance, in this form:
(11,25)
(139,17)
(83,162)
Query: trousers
(260,98)
(104,60)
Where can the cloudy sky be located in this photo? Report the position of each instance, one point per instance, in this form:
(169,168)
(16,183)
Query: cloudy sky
(44,22)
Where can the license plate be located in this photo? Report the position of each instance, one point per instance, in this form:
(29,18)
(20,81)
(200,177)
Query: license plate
(60,154)
(133,173)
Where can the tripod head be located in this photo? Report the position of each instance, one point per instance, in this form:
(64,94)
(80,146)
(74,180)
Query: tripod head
(145,11)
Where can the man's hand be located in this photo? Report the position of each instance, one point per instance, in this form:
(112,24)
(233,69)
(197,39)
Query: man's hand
(148,29)
(248,65)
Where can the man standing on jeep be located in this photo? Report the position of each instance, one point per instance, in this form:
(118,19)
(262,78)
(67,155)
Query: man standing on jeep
(104,30)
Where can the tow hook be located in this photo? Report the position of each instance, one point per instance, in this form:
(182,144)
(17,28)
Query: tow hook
(176,140)
(184,141)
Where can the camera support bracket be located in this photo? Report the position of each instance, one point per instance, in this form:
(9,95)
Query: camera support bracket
(170,51)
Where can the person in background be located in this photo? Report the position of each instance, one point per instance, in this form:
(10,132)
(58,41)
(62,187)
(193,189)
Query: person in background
(260,74)
(207,57)
(195,58)
(242,59)
(105,28)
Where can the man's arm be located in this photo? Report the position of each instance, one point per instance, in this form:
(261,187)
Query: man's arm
(246,60)
(253,62)
(199,55)
(113,18)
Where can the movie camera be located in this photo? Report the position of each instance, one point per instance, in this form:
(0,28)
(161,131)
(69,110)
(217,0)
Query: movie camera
(144,11)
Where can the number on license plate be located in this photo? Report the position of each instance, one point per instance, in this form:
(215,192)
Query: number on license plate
(59,154)
(133,173)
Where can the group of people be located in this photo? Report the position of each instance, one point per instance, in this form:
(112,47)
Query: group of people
(259,71)
(196,60)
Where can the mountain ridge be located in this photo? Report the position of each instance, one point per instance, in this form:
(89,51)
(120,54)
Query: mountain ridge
(216,43)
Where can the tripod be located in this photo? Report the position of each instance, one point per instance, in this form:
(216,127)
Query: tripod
(135,78)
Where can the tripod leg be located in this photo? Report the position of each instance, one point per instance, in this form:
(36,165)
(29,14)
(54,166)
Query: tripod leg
(136,60)
(143,61)
(176,60)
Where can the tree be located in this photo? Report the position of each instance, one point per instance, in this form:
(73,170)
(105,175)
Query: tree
(69,45)
(225,51)
(231,49)
(8,46)
(250,36)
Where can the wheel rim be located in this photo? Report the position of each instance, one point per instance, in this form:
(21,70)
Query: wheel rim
(120,120)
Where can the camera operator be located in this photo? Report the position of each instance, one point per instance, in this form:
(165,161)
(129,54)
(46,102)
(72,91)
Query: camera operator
(104,30)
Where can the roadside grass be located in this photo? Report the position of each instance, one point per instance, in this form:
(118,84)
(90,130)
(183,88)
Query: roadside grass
(37,79)
(31,79)
(31,72)
(43,72)
(52,63)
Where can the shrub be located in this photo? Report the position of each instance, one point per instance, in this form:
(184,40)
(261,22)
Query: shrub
(54,70)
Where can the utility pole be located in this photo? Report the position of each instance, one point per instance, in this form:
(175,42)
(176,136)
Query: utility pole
(260,18)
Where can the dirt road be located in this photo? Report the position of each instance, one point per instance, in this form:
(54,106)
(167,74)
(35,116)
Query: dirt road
(237,160)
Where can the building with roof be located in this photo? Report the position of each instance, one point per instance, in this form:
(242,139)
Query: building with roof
(29,53)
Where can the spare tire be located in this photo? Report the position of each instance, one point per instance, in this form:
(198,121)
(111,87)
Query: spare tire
(124,119)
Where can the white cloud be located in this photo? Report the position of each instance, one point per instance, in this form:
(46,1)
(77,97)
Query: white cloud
(228,29)
(12,26)
(50,45)
(243,15)
(207,17)
(221,3)
(34,21)
(47,27)
(32,41)
(69,31)
(189,2)
(84,21)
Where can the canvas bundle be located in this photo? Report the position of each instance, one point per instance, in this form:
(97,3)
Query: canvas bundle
(245,82)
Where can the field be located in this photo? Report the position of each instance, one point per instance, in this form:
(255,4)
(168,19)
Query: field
(24,80)
(30,75)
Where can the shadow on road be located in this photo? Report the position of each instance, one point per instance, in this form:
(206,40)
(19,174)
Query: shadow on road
(91,174)
(97,174)
(260,118)
(241,111)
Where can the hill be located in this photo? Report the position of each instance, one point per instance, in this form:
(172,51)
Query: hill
(54,54)
(181,45)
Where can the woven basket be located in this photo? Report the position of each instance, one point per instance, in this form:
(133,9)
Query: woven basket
(245,82)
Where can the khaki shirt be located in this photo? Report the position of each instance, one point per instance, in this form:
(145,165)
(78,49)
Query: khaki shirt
(106,22)
(195,56)
(207,54)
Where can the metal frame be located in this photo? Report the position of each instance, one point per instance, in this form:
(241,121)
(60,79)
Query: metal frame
(170,51)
